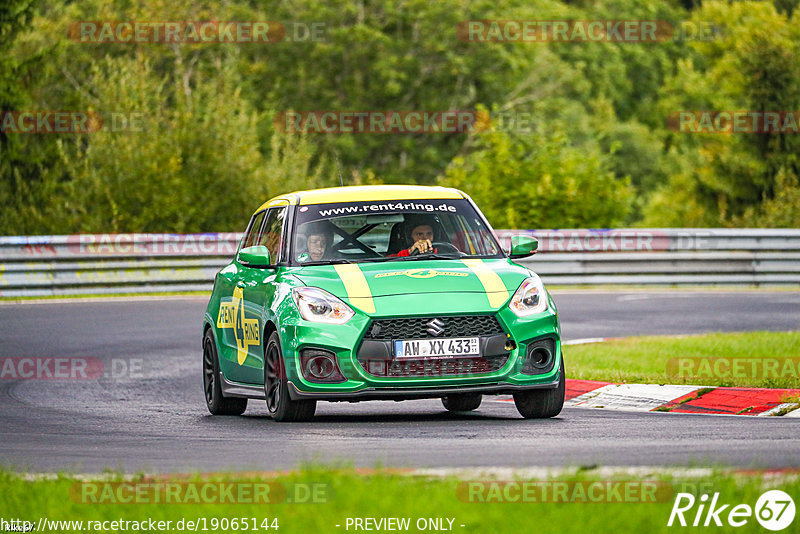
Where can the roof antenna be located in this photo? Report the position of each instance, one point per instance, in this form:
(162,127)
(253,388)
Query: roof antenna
(341,182)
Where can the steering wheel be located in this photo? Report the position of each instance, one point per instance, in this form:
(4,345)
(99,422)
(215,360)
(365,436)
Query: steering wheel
(448,247)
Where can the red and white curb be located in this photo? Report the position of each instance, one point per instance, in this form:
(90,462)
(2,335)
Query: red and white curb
(681,398)
(640,397)
(678,398)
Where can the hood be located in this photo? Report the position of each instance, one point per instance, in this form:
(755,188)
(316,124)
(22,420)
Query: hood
(497,279)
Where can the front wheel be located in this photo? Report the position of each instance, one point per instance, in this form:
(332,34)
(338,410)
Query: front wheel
(542,403)
(215,402)
(462,402)
(276,387)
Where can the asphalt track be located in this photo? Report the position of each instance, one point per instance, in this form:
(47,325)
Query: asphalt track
(156,420)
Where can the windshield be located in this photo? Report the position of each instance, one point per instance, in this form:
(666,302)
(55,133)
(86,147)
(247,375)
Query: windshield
(391,231)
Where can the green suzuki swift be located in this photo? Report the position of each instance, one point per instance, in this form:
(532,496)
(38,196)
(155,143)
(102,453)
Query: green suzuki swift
(379,293)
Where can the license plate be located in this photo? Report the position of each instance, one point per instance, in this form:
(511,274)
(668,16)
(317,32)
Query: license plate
(436,348)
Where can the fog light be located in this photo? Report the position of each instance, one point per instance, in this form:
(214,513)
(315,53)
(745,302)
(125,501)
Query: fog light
(320,366)
(540,357)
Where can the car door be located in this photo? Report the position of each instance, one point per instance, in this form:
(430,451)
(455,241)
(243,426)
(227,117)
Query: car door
(231,318)
(255,289)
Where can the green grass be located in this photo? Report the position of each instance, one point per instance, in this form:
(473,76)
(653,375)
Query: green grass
(647,359)
(386,494)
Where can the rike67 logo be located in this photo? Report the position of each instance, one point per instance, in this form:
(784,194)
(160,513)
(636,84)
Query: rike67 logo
(774,510)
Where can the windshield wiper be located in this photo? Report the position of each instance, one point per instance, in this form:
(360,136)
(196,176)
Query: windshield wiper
(325,262)
(432,256)
(387,258)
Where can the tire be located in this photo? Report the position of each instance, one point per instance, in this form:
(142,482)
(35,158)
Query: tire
(216,403)
(542,403)
(276,388)
(462,402)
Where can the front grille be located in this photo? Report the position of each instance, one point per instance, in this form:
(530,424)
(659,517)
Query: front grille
(417,327)
(429,367)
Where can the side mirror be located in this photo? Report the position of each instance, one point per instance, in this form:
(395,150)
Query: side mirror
(523,246)
(257,256)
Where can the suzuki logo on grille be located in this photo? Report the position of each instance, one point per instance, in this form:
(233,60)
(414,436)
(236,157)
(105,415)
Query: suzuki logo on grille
(435,327)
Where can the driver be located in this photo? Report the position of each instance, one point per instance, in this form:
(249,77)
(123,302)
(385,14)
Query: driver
(421,235)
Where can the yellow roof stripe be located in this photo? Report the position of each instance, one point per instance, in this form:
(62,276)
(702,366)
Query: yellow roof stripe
(283,200)
(356,286)
(495,289)
(377,193)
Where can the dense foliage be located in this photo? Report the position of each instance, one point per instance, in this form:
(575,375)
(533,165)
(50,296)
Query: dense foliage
(596,150)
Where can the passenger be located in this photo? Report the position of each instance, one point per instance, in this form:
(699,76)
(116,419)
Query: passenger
(318,241)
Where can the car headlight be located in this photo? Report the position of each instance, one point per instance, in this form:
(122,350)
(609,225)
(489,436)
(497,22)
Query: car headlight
(319,306)
(530,298)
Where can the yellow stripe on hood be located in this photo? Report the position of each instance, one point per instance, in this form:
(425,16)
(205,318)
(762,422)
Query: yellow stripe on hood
(495,288)
(358,291)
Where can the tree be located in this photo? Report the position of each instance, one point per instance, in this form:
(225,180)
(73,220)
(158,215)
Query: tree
(27,165)
(752,66)
(541,182)
(190,166)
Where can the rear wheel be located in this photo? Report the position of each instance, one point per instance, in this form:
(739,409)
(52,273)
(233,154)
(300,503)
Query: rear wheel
(215,402)
(276,387)
(542,403)
(462,402)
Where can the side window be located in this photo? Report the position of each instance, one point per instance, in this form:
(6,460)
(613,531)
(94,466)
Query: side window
(483,238)
(272,234)
(253,230)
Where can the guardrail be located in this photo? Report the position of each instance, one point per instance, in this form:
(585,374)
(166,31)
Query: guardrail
(125,263)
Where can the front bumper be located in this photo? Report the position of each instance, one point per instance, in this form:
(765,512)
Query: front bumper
(386,393)
(345,341)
